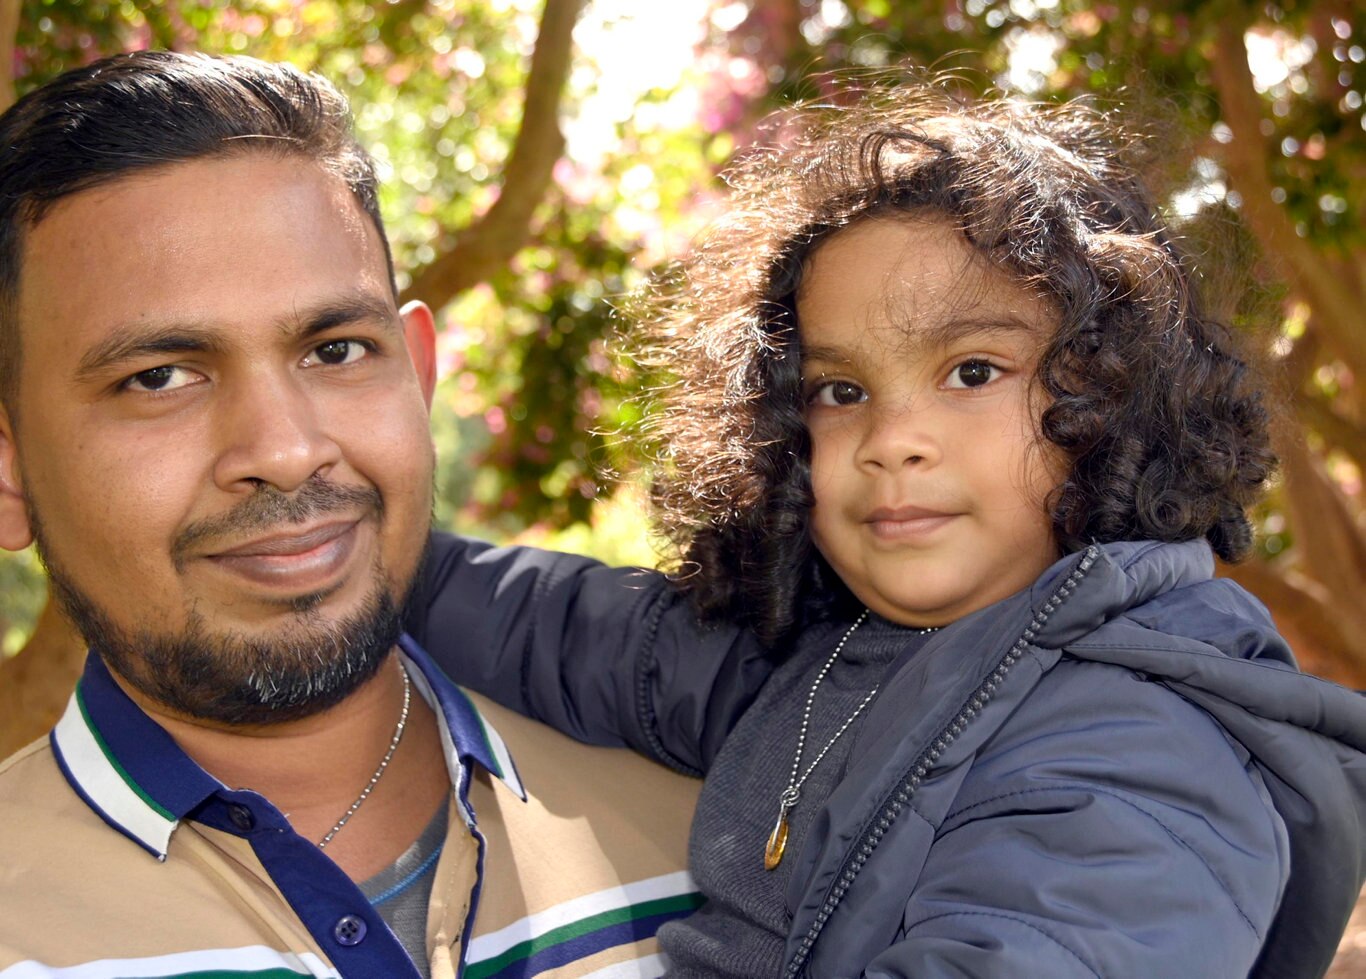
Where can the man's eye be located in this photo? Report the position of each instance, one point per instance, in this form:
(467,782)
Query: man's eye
(335,352)
(165,378)
(972,374)
(835,393)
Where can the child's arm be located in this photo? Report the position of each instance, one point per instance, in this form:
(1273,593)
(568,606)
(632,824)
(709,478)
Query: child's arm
(606,655)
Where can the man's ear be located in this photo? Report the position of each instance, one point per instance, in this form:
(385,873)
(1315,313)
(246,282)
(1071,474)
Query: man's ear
(419,332)
(15,531)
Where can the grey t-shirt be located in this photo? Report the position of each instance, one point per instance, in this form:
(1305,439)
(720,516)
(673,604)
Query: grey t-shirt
(742,928)
(402,891)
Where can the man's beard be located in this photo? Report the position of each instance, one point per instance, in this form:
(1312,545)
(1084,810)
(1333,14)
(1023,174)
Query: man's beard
(237,679)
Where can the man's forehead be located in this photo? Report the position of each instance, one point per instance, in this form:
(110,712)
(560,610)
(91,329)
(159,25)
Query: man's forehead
(186,237)
(213,198)
(210,180)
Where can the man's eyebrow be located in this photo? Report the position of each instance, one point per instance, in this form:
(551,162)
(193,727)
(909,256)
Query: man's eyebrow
(129,342)
(171,339)
(359,308)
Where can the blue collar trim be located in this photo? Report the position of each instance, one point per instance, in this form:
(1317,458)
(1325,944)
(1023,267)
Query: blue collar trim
(132,774)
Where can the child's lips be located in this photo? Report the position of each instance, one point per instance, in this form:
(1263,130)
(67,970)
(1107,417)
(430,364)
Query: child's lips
(907,523)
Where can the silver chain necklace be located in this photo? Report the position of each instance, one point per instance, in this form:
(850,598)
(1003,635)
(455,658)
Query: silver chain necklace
(777,839)
(374,779)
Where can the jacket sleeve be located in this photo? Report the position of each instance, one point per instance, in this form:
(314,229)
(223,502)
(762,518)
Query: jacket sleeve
(1125,836)
(607,655)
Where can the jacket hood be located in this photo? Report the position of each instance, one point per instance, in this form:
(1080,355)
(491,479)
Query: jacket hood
(1156,609)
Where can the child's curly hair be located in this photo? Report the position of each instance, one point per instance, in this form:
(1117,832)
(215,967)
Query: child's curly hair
(1165,431)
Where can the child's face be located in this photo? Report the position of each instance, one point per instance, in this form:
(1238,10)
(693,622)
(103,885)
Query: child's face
(918,360)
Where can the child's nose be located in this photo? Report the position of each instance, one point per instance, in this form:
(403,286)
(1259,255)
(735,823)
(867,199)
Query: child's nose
(899,436)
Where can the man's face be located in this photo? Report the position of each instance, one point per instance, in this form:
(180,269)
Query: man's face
(222,443)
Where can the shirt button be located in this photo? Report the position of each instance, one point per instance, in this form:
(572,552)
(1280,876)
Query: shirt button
(241,817)
(349,930)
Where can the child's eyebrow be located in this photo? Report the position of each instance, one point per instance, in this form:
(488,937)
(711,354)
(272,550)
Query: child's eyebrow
(917,340)
(934,336)
(824,354)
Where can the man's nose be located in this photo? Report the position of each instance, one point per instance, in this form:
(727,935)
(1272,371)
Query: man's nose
(271,431)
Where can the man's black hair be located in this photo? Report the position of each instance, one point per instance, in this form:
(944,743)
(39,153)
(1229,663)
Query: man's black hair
(135,112)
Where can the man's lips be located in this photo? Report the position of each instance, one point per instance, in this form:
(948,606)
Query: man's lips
(298,559)
(906,523)
(288,541)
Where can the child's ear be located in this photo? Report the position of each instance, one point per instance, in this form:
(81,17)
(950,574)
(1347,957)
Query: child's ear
(16,532)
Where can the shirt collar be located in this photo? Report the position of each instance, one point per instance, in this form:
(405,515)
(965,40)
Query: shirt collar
(136,778)
(465,733)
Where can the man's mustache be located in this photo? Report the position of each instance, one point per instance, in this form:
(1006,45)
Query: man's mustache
(268,508)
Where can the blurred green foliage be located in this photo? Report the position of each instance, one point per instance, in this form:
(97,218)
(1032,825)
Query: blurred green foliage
(530,373)
(22,593)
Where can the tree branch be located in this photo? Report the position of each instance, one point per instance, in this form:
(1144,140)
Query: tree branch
(1341,433)
(1329,544)
(9,27)
(1335,294)
(778,26)
(1323,68)
(1314,412)
(487,245)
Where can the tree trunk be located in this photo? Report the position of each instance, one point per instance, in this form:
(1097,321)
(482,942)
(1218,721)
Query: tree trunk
(35,684)
(9,25)
(1318,595)
(1332,288)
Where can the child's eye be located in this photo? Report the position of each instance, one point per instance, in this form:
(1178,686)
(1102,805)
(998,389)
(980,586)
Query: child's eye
(835,393)
(159,379)
(972,374)
(335,352)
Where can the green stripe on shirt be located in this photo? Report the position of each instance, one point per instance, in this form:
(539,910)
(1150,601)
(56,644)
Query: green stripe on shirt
(576,929)
(160,810)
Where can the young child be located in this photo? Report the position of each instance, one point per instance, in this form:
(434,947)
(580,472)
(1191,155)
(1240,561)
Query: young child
(953,436)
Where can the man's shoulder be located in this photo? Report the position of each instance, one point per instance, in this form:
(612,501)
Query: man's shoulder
(544,756)
(58,860)
(76,893)
(612,825)
(31,778)
(43,816)
(25,754)
(626,817)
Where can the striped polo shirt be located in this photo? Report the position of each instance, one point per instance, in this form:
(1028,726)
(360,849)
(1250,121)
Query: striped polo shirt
(121,857)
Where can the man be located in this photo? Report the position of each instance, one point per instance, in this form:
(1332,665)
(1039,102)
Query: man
(214,426)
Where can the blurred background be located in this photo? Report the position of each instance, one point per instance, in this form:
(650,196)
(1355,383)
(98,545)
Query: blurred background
(541,157)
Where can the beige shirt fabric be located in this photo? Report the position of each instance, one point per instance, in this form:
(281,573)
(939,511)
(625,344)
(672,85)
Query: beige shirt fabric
(576,878)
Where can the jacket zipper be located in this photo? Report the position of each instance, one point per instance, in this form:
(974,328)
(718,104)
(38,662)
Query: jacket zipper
(892,808)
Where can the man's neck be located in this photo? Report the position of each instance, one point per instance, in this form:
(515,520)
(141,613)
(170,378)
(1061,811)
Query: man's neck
(314,769)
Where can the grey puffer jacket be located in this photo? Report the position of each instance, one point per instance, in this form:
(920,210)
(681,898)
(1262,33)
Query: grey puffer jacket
(1117,772)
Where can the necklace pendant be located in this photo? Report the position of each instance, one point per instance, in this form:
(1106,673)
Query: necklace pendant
(777,842)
